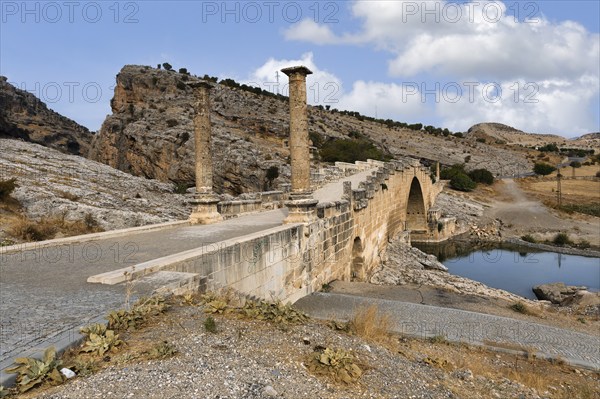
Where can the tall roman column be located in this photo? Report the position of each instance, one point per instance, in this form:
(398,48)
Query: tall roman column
(301,207)
(437,171)
(299,149)
(205,202)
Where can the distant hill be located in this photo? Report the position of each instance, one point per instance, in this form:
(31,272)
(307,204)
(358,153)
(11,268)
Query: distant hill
(24,116)
(497,132)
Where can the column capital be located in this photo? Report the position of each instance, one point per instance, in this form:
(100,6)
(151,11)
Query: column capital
(297,70)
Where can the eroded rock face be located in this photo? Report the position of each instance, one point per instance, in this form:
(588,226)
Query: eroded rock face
(51,183)
(151,134)
(24,116)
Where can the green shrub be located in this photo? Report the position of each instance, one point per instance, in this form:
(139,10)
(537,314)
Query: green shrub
(575,164)
(561,239)
(7,187)
(528,238)
(272,173)
(32,372)
(345,150)
(180,188)
(482,176)
(584,244)
(210,325)
(480,140)
(549,148)
(519,307)
(543,169)
(462,182)
(167,66)
(448,173)
(316,139)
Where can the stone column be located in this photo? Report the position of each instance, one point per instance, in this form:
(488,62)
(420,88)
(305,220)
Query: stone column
(205,201)
(437,171)
(302,208)
(299,149)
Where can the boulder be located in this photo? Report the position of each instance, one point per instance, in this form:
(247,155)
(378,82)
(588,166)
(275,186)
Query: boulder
(556,292)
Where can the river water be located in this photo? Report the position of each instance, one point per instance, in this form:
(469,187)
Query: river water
(517,270)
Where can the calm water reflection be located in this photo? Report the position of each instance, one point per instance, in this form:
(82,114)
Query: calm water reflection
(517,271)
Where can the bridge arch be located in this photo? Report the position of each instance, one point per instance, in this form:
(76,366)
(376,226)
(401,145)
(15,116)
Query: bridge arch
(416,213)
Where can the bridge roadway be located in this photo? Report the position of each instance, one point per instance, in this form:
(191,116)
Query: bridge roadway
(496,332)
(44,296)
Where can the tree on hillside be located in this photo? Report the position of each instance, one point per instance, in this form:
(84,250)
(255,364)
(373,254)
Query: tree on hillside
(482,176)
(543,169)
(167,66)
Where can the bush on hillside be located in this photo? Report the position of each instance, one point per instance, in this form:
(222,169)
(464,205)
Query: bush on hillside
(462,182)
(344,150)
(482,176)
(7,187)
(543,169)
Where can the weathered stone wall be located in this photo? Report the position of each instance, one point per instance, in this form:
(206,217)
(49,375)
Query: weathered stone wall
(346,239)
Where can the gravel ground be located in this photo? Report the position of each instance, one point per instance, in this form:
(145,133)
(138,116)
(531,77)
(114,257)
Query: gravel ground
(252,359)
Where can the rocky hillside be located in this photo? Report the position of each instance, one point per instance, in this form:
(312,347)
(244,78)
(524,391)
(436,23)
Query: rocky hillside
(52,184)
(497,132)
(150,134)
(24,116)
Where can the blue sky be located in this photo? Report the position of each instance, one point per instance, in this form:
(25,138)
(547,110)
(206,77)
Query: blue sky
(532,65)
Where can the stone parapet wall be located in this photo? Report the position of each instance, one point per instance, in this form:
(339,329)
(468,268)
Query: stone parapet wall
(258,202)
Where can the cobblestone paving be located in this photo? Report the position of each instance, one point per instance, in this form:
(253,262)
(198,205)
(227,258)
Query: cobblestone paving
(464,326)
(44,296)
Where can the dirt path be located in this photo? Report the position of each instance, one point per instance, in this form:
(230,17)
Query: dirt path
(522,215)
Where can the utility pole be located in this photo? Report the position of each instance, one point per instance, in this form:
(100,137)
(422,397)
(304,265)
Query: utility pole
(558,188)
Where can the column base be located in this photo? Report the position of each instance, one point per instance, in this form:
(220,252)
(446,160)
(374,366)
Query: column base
(205,210)
(301,211)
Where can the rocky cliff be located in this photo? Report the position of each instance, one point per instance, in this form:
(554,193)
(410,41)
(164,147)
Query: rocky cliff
(150,133)
(24,116)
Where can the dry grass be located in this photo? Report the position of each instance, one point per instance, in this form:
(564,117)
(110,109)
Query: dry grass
(370,324)
(27,229)
(553,376)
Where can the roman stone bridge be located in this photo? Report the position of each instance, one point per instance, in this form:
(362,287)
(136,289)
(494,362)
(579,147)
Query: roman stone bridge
(339,231)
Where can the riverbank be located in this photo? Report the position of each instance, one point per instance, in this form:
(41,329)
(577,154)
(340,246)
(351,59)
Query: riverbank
(408,272)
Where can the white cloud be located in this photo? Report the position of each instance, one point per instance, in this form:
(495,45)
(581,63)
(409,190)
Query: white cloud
(321,85)
(309,30)
(477,40)
(552,106)
(386,100)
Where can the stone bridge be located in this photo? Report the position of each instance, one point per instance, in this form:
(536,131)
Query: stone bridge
(339,231)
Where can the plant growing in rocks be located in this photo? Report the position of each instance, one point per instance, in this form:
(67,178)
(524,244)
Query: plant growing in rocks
(277,312)
(144,308)
(100,344)
(32,372)
(162,350)
(337,364)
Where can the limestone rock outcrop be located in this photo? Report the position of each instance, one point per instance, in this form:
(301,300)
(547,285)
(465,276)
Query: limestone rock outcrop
(556,293)
(24,116)
(52,184)
(151,134)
